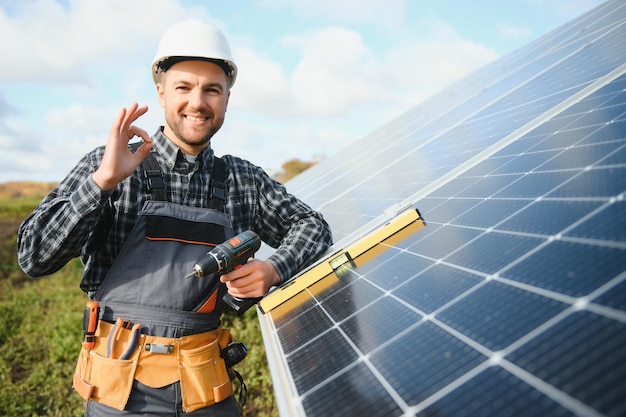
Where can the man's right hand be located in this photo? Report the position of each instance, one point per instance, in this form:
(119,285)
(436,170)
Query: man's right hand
(119,161)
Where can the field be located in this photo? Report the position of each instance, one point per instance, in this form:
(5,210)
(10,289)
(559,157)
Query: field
(41,329)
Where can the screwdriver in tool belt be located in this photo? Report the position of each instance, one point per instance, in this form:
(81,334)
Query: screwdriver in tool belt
(90,323)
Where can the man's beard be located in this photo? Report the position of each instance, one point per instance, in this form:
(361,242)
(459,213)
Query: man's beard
(176,126)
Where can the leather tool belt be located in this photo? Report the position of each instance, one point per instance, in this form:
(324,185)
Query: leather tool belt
(120,355)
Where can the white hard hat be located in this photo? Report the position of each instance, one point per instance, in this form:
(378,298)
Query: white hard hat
(194,39)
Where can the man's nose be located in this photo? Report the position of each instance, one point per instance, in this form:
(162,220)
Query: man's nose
(196,99)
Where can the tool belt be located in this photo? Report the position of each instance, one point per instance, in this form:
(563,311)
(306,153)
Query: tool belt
(105,373)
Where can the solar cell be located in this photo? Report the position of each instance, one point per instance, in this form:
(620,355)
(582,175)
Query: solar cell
(511,300)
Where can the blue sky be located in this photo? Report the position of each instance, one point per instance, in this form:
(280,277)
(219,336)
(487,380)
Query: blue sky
(314,75)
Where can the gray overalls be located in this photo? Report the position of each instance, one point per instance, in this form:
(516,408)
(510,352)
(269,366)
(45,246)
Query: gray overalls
(159,329)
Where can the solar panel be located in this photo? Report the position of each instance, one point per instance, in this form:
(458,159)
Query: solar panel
(480,258)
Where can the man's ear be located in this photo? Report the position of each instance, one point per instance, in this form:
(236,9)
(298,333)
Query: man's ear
(161,93)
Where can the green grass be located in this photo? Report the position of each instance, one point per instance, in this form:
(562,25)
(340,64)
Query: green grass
(17,207)
(41,330)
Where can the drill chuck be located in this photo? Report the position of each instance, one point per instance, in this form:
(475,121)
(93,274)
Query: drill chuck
(207,265)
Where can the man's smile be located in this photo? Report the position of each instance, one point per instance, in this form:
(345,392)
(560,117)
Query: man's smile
(199,119)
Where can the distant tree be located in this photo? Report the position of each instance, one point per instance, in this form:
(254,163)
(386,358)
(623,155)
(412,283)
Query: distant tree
(292,168)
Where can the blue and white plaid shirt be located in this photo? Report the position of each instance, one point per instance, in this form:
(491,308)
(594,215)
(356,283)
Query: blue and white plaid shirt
(78,219)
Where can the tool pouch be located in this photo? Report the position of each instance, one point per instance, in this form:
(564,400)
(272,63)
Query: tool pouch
(104,380)
(203,377)
(193,360)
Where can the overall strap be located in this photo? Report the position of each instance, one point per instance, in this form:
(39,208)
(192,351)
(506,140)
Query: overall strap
(152,174)
(156,184)
(217,185)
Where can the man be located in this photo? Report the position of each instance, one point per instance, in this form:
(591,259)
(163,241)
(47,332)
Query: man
(141,217)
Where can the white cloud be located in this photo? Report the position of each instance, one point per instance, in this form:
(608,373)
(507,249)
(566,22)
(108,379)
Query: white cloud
(76,118)
(54,43)
(336,73)
(339,74)
(420,68)
(261,83)
(331,76)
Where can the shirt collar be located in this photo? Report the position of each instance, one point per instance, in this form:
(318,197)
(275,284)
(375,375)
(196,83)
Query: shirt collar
(171,154)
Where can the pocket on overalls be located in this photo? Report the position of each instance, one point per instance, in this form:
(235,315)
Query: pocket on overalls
(203,377)
(79,383)
(112,379)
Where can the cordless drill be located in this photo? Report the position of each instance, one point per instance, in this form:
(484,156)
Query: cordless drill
(224,258)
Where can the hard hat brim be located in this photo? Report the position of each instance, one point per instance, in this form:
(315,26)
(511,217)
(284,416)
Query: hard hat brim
(165,64)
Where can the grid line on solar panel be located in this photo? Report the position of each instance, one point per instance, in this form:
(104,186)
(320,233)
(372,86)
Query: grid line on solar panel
(355,392)
(553,357)
(436,357)
(503,395)
(315,377)
(531,339)
(522,187)
(614,297)
(451,332)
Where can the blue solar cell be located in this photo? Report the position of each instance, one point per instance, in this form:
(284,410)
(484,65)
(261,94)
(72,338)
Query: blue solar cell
(525,162)
(309,371)
(445,209)
(496,315)
(350,299)
(436,286)
(492,251)
(423,361)
(607,224)
(489,213)
(616,158)
(357,392)
(378,323)
(285,313)
(454,187)
(495,392)
(368,263)
(548,217)
(535,184)
(303,328)
(614,298)
(399,269)
(604,182)
(583,356)
(489,186)
(570,268)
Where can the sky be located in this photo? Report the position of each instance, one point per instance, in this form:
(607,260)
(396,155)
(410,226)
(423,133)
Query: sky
(315,76)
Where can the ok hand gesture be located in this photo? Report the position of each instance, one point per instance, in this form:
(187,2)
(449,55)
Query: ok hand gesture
(119,161)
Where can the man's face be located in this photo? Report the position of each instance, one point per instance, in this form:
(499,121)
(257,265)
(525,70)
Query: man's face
(194,95)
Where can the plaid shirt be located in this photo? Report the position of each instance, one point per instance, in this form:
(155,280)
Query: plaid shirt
(79,219)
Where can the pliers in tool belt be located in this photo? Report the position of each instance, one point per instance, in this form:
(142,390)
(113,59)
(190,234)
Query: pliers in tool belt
(115,334)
